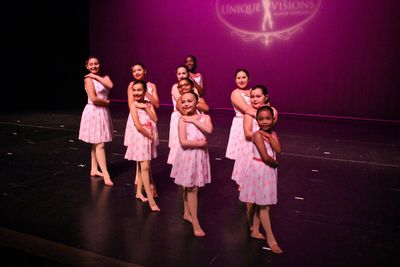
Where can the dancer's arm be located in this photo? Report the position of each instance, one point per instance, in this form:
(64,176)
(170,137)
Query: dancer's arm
(185,143)
(136,122)
(91,92)
(153,97)
(206,127)
(248,127)
(152,113)
(105,80)
(259,142)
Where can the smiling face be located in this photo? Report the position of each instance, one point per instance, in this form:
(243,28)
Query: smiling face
(138,72)
(257,98)
(242,80)
(181,73)
(184,86)
(265,119)
(93,65)
(189,102)
(190,63)
(138,92)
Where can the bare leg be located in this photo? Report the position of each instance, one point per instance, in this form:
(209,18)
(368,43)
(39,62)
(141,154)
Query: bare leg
(144,174)
(249,214)
(255,229)
(137,173)
(101,159)
(186,212)
(152,184)
(192,203)
(139,184)
(266,223)
(94,167)
(137,177)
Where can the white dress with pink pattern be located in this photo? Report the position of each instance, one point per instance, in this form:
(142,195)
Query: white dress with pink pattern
(259,183)
(173,141)
(130,127)
(246,154)
(96,124)
(236,134)
(139,147)
(192,165)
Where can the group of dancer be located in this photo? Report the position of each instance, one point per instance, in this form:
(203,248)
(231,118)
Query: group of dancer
(252,135)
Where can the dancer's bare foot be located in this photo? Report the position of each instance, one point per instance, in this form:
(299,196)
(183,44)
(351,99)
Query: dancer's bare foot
(187,217)
(198,232)
(96,173)
(275,248)
(153,206)
(107,181)
(257,235)
(141,197)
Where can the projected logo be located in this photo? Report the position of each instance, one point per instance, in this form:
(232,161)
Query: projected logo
(266,20)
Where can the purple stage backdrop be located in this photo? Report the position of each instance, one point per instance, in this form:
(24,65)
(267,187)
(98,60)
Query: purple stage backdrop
(321,57)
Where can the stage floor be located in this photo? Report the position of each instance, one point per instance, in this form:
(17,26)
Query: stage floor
(338,198)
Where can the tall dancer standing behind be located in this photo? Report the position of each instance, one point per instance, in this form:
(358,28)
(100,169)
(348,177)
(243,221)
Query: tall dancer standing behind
(191,169)
(240,98)
(96,124)
(259,185)
(139,73)
(142,150)
(196,77)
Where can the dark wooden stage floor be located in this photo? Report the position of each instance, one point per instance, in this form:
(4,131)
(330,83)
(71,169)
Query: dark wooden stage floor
(338,198)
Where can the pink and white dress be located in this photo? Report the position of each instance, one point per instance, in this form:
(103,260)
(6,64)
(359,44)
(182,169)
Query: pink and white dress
(259,183)
(192,165)
(246,154)
(236,134)
(130,127)
(139,147)
(173,141)
(96,124)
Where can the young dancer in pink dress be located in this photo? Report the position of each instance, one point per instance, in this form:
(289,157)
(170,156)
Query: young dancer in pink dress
(191,168)
(142,150)
(96,124)
(240,98)
(196,77)
(259,184)
(258,97)
(139,73)
(184,85)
